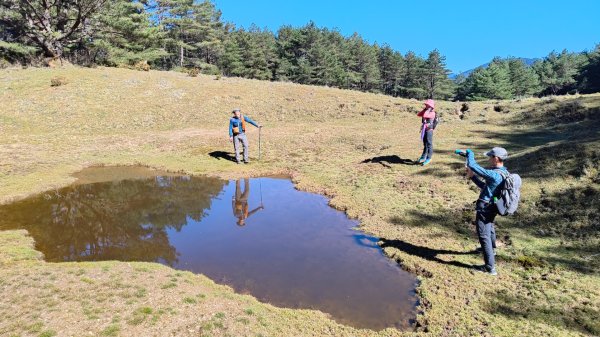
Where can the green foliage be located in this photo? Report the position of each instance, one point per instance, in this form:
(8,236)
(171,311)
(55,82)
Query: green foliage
(52,26)
(193,32)
(125,35)
(15,51)
(186,34)
(558,72)
(523,79)
(437,83)
(391,64)
(589,81)
(501,79)
(411,82)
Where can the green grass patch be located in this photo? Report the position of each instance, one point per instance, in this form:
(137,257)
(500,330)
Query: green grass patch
(190,300)
(48,333)
(111,330)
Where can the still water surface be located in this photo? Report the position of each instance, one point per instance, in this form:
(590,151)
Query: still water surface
(260,236)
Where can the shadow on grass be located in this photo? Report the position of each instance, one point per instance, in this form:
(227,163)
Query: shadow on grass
(426,253)
(456,220)
(222,155)
(444,170)
(582,317)
(387,160)
(557,142)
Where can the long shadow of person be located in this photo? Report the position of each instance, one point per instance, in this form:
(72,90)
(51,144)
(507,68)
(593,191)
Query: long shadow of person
(427,253)
(387,160)
(239,202)
(222,155)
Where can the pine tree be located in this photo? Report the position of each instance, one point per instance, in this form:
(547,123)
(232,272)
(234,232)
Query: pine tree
(390,67)
(50,25)
(558,72)
(492,82)
(590,74)
(230,61)
(410,85)
(194,31)
(523,80)
(211,32)
(124,35)
(259,53)
(362,65)
(435,75)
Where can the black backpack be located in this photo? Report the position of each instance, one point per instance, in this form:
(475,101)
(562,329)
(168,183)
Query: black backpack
(435,122)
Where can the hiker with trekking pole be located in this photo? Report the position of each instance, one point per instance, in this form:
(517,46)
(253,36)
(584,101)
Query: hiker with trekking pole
(239,202)
(499,195)
(429,121)
(237,133)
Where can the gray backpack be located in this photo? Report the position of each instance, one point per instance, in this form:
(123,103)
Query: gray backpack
(509,193)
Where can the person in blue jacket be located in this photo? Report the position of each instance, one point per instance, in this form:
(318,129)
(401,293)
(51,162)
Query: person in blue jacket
(237,133)
(489,181)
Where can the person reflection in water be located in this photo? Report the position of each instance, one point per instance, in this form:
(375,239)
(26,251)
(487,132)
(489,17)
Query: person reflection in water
(239,202)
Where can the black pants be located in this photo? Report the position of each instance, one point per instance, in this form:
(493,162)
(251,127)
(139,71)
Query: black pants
(486,213)
(427,145)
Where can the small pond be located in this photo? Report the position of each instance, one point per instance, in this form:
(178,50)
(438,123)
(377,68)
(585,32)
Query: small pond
(260,236)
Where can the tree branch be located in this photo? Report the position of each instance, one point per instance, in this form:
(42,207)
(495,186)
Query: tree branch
(34,11)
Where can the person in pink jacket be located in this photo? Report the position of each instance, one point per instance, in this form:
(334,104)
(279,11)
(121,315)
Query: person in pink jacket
(427,120)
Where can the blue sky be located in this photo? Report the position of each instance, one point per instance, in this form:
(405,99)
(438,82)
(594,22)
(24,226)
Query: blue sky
(468,32)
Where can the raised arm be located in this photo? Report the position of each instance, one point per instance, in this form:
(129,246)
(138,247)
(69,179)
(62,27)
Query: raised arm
(254,211)
(478,170)
(249,120)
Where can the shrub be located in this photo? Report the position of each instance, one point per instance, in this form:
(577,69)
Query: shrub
(4,63)
(464,107)
(210,69)
(58,81)
(193,72)
(142,66)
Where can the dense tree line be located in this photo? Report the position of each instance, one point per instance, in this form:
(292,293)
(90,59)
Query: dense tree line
(187,34)
(556,74)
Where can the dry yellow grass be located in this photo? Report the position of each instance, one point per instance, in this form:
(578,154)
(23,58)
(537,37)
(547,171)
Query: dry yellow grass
(347,145)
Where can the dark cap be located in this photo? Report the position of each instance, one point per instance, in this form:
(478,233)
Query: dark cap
(498,152)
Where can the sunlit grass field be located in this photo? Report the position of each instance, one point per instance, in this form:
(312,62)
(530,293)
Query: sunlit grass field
(357,149)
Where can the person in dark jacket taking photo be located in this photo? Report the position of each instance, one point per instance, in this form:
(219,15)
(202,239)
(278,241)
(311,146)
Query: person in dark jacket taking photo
(489,181)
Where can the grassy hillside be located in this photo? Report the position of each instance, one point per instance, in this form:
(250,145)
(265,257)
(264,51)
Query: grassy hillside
(353,147)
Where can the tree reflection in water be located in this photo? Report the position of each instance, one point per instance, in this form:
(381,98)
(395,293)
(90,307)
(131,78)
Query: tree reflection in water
(123,220)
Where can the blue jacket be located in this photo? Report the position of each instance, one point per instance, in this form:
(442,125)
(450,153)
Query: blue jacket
(492,179)
(235,122)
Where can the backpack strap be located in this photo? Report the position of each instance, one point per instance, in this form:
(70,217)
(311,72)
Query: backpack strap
(503,173)
(243,123)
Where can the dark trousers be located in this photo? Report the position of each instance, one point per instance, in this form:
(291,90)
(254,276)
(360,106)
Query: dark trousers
(484,218)
(427,145)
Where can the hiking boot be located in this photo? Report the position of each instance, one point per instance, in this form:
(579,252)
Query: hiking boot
(483,269)
(421,160)
(238,162)
(246,162)
(427,161)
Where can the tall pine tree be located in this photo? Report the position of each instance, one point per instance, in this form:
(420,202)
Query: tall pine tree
(435,75)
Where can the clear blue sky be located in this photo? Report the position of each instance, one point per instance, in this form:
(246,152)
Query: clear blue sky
(468,32)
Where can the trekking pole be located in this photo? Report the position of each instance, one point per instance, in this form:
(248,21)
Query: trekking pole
(260,186)
(259,143)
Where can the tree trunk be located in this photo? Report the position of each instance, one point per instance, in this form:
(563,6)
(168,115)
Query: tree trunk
(181,56)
